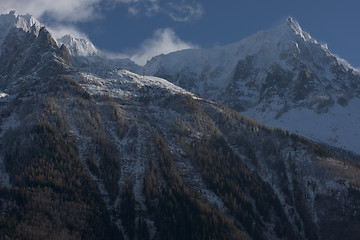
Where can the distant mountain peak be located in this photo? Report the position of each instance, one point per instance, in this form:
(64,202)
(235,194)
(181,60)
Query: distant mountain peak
(13,19)
(78,46)
(25,22)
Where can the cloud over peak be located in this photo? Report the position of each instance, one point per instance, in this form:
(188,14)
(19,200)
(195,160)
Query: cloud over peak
(163,41)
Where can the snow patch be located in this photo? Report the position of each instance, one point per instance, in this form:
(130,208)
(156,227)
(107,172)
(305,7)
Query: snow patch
(3,95)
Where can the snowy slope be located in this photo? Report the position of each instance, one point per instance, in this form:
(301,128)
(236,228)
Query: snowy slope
(339,127)
(123,84)
(149,103)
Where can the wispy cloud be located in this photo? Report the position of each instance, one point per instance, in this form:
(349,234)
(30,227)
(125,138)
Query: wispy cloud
(184,12)
(59,31)
(179,11)
(137,7)
(67,11)
(62,11)
(163,41)
(133,11)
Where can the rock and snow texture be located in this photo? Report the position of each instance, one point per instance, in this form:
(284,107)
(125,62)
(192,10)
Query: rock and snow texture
(215,66)
(124,84)
(77,46)
(141,99)
(275,76)
(24,22)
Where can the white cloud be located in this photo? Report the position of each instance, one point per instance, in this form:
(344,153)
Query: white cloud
(62,10)
(62,30)
(163,41)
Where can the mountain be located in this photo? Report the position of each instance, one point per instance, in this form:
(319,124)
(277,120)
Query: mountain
(26,23)
(79,46)
(281,77)
(90,150)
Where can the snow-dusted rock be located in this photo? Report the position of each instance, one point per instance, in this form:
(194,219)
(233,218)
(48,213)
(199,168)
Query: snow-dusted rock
(271,76)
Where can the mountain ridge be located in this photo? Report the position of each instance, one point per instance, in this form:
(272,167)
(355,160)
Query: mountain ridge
(285,52)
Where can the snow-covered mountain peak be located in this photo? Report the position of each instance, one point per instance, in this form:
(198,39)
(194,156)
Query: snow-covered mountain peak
(26,23)
(292,30)
(275,46)
(79,46)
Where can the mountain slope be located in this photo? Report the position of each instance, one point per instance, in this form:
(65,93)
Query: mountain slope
(104,153)
(49,192)
(274,76)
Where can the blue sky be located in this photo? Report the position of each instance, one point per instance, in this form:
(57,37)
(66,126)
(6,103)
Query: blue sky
(132,27)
